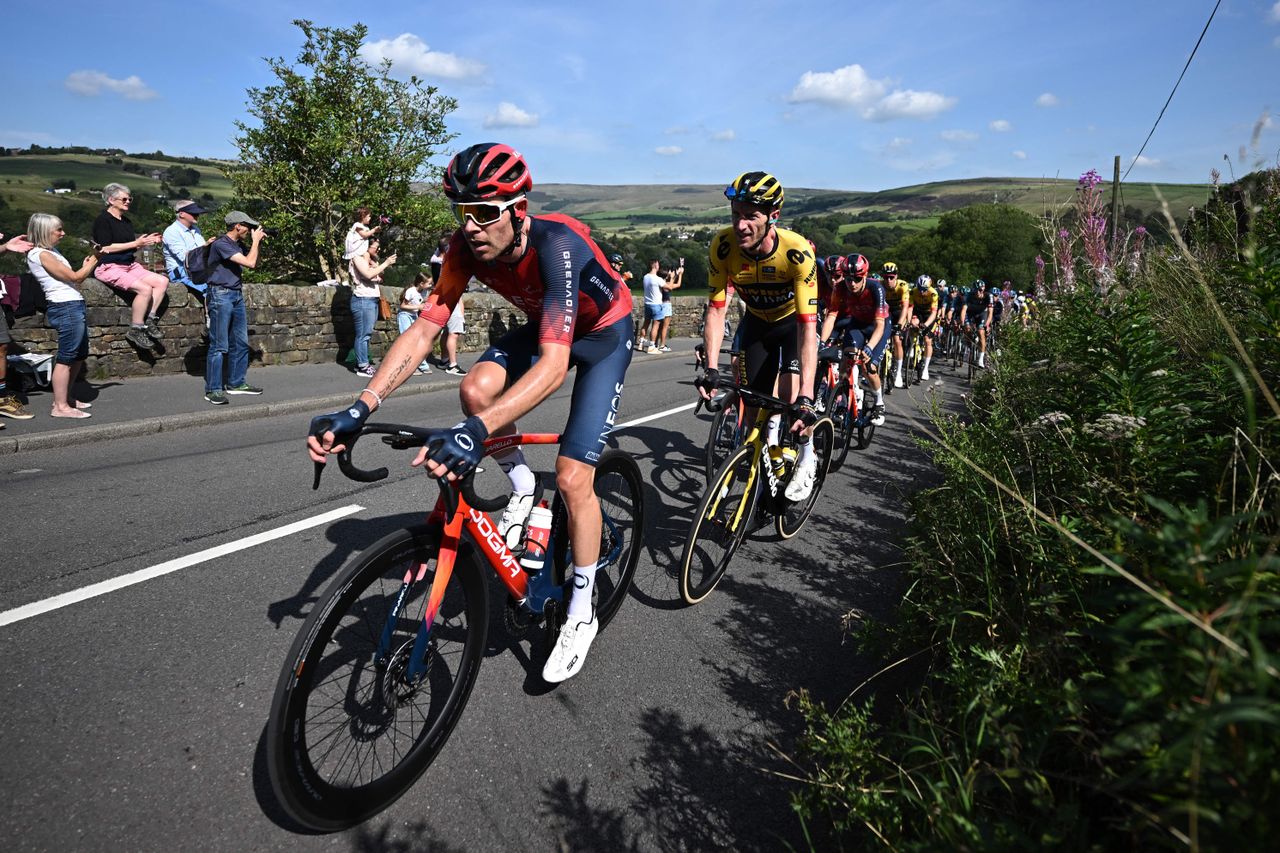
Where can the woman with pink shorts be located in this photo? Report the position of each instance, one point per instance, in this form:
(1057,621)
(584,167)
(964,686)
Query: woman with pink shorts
(116,243)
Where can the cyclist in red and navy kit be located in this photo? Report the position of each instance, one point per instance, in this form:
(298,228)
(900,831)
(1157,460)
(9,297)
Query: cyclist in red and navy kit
(579,313)
(860,313)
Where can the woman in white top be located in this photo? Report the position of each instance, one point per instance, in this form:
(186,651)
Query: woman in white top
(366,274)
(61,286)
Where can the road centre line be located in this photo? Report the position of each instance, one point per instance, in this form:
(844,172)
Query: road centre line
(37,608)
(654,417)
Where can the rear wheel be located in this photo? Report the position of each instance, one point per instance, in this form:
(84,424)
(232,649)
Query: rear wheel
(722,520)
(792,518)
(621,494)
(349,731)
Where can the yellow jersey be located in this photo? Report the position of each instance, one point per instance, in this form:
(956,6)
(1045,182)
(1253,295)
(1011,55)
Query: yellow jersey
(896,294)
(924,303)
(773,287)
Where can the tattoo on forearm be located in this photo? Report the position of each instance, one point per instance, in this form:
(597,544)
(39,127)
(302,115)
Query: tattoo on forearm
(396,372)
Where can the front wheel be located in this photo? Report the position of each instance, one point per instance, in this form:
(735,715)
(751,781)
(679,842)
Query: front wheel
(791,519)
(349,730)
(842,415)
(725,435)
(722,521)
(621,493)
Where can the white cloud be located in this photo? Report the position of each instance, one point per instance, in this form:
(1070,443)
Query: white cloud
(909,103)
(410,54)
(1048,99)
(726,135)
(668,150)
(1019,155)
(509,115)
(848,87)
(958,135)
(93,83)
(1143,161)
(1000,126)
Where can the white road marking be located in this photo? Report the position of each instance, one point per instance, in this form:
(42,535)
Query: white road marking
(653,417)
(37,608)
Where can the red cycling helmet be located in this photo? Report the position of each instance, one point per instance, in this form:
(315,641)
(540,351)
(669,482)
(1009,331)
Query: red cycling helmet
(858,265)
(837,264)
(485,172)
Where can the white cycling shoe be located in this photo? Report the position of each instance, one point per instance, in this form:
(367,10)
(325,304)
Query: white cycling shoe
(925,374)
(511,525)
(897,380)
(571,648)
(802,480)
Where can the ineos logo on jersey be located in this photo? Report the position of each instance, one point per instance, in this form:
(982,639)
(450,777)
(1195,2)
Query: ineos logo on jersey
(464,441)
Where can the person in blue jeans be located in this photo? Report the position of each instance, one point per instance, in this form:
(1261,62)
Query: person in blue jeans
(366,278)
(224,301)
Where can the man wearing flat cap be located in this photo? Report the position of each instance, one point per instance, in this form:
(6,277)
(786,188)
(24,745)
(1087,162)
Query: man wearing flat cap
(183,235)
(228,323)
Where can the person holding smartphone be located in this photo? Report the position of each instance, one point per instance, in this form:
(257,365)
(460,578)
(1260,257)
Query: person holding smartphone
(674,278)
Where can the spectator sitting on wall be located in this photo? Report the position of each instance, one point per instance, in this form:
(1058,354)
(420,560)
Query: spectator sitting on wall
(10,407)
(116,242)
(183,235)
(65,312)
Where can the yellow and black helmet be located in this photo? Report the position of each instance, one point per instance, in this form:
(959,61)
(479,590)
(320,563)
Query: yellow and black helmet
(890,268)
(758,188)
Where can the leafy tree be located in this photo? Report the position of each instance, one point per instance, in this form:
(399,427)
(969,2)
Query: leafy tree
(990,241)
(182,176)
(334,134)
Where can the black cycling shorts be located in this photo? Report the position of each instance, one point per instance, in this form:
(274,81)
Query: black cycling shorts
(767,350)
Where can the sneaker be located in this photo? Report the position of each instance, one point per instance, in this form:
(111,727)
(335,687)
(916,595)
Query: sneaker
(925,374)
(802,480)
(571,648)
(514,518)
(218,398)
(877,414)
(897,380)
(423,369)
(11,408)
(365,370)
(152,328)
(244,388)
(664,348)
(455,370)
(139,338)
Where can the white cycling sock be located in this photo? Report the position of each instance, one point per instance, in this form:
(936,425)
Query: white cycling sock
(806,453)
(926,361)
(880,396)
(584,578)
(775,426)
(512,463)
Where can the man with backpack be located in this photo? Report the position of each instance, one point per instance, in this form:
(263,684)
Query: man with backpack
(183,235)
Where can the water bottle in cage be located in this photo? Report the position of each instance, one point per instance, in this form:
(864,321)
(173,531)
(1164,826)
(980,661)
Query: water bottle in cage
(537,535)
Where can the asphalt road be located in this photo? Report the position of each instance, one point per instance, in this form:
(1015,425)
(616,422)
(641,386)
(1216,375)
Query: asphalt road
(134,720)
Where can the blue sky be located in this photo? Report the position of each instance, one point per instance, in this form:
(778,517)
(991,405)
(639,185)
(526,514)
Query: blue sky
(841,96)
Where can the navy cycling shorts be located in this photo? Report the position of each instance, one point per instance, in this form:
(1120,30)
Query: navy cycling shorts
(601,357)
(856,337)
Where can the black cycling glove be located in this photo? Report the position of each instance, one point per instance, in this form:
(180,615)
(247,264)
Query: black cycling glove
(709,380)
(343,424)
(461,448)
(805,411)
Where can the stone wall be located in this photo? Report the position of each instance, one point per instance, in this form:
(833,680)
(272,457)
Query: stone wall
(287,325)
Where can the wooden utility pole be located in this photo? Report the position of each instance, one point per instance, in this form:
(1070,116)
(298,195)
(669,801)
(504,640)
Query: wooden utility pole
(1115,200)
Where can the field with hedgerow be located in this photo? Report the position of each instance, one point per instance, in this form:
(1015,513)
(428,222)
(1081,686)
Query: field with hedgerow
(1086,657)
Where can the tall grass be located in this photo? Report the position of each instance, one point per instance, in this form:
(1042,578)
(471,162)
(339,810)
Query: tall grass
(1095,590)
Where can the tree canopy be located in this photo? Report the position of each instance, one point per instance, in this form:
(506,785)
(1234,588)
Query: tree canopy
(334,134)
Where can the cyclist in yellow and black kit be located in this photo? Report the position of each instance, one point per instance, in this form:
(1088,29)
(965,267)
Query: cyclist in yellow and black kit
(774,272)
(924,303)
(896,291)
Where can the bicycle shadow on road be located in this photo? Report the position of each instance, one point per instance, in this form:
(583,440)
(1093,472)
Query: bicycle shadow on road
(349,536)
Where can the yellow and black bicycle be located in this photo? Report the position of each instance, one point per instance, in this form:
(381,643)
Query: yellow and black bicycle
(747,492)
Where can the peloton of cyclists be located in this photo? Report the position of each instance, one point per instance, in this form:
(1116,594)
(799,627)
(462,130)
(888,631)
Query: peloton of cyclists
(579,313)
(775,274)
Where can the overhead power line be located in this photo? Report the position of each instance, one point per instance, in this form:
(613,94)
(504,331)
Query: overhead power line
(1175,89)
